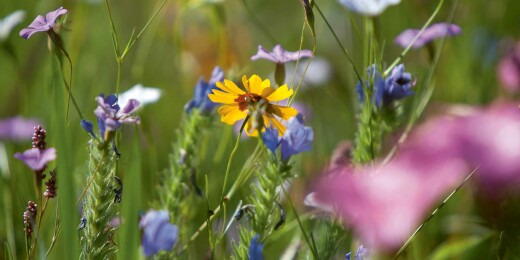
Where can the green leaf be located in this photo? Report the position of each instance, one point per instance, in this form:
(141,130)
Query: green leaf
(456,248)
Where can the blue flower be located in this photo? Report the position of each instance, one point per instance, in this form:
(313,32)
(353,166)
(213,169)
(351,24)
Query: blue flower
(361,254)
(158,233)
(385,91)
(255,249)
(200,98)
(398,85)
(111,117)
(378,85)
(88,127)
(270,138)
(297,138)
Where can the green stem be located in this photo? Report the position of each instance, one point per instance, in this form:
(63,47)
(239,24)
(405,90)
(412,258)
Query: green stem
(241,179)
(222,198)
(431,215)
(428,22)
(343,49)
(312,246)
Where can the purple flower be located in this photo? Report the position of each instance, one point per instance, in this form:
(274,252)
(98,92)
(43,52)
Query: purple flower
(37,159)
(279,55)
(508,70)
(111,117)
(42,24)
(17,128)
(270,138)
(434,31)
(297,138)
(361,253)
(200,98)
(88,127)
(158,233)
(255,249)
(396,86)
(377,83)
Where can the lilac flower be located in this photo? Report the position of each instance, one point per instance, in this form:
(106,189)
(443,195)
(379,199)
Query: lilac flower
(368,7)
(200,98)
(297,138)
(42,24)
(434,31)
(158,233)
(17,128)
(255,249)
(270,138)
(37,159)
(361,253)
(280,55)
(385,91)
(111,117)
(9,22)
(508,70)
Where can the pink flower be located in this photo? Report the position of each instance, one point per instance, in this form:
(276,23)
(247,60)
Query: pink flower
(508,70)
(491,141)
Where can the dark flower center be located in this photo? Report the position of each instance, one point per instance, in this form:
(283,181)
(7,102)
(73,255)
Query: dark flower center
(246,100)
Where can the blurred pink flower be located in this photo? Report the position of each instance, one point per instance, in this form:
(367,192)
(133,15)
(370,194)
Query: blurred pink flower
(491,141)
(17,128)
(508,70)
(384,206)
(386,203)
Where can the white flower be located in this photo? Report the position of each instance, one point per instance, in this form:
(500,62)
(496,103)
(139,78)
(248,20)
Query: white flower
(368,7)
(144,95)
(9,22)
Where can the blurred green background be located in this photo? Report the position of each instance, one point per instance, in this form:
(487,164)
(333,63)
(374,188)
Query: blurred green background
(184,42)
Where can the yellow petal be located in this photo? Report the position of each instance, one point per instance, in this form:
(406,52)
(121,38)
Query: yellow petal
(222,97)
(283,112)
(280,93)
(230,114)
(230,87)
(266,89)
(246,84)
(249,129)
(255,85)
(277,124)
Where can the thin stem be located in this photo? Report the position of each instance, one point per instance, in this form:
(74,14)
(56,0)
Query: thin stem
(343,49)
(258,23)
(428,22)
(229,165)
(432,214)
(56,230)
(39,227)
(241,179)
(91,179)
(419,109)
(289,103)
(312,246)
(131,43)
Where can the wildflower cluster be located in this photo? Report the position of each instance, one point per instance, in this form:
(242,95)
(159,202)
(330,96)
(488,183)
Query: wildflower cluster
(219,198)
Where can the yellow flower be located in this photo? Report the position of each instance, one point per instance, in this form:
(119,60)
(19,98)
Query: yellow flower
(256,101)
